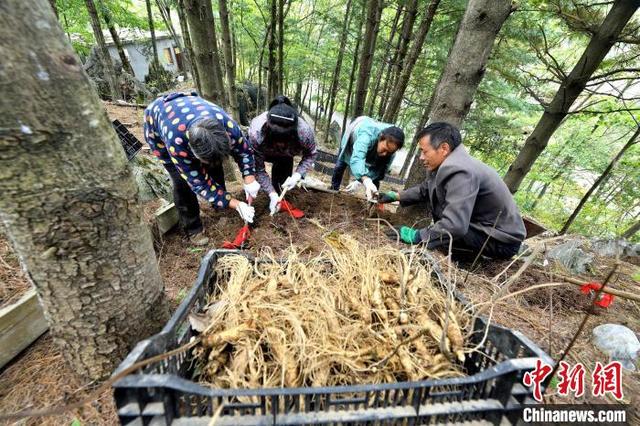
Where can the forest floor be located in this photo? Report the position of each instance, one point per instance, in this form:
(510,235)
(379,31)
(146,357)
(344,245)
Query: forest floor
(549,316)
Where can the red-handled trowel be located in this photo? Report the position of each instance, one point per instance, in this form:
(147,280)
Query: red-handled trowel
(241,241)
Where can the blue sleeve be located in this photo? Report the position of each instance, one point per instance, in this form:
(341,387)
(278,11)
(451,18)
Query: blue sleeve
(199,181)
(240,149)
(358,162)
(152,138)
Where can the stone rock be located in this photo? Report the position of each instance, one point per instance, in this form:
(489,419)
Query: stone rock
(614,248)
(571,256)
(152,179)
(619,342)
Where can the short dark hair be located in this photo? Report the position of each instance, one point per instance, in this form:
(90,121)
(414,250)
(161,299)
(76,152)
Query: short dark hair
(393,134)
(208,139)
(439,133)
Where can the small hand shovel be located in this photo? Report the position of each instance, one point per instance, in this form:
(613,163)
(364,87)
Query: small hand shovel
(241,241)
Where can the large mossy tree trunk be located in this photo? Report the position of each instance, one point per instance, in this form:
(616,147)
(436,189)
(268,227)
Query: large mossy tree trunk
(230,66)
(202,31)
(374,12)
(465,67)
(108,70)
(402,82)
(69,201)
(570,88)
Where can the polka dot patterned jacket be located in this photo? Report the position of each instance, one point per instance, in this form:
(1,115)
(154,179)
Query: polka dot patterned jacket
(166,121)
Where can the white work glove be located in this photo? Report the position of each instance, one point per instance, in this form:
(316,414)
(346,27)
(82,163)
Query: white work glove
(370,188)
(274,203)
(245,211)
(251,189)
(291,181)
(353,186)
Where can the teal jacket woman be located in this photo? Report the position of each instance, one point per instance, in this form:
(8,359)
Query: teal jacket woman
(368,147)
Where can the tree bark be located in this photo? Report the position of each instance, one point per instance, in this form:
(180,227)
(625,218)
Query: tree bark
(103,52)
(230,66)
(632,141)
(186,37)
(333,90)
(69,201)
(53,6)
(108,21)
(631,231)
(400,87)
(403,46)
(387,59)
(570,89)
(202,31)
(352,74)
(465,67)
(272,73)
(374,11)
(165,12)
(280,87)
(155,62)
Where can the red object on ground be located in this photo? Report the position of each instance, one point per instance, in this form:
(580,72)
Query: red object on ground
(605,300)
(289,208)
(240,240)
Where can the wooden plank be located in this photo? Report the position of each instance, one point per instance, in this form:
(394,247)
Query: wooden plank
(20,324)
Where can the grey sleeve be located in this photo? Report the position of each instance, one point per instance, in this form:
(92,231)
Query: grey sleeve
(461,191)
(415,194)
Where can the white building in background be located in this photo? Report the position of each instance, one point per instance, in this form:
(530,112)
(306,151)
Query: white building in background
(137,48)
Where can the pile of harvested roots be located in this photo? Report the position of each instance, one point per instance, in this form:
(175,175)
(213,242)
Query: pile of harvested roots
(351,315)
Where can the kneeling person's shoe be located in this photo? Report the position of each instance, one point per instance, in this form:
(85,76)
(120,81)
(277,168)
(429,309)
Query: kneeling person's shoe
(198,239)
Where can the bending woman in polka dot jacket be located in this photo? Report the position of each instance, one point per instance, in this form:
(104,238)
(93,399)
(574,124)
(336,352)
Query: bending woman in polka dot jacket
(191,137)
(276,136)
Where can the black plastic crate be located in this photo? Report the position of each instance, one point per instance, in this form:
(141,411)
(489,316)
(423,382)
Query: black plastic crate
(162,393)
(130,143)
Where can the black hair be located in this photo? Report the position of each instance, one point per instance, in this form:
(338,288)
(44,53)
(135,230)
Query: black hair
(393,134)
(282,121)
(280,99)
(208,139)
(439,133)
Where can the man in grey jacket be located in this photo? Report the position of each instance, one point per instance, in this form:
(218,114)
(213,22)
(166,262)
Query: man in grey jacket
(468,200)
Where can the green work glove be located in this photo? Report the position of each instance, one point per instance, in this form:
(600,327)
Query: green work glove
(388,197)
(410,235)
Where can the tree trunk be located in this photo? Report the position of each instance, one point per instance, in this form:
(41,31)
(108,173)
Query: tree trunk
(414,144)
(280,86)
(106,15)
(165,11)
(631,231)
(186,37)
(383,64)
(79,230)
(272,73)
(352,75)
(155,62)
(465,67)
(103,52)
(395,101)
(403,47)
(230,66)
(570,89)
(53,6)
(374,11)
(333,91)
(598,181)
(297,97)
(202,31)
